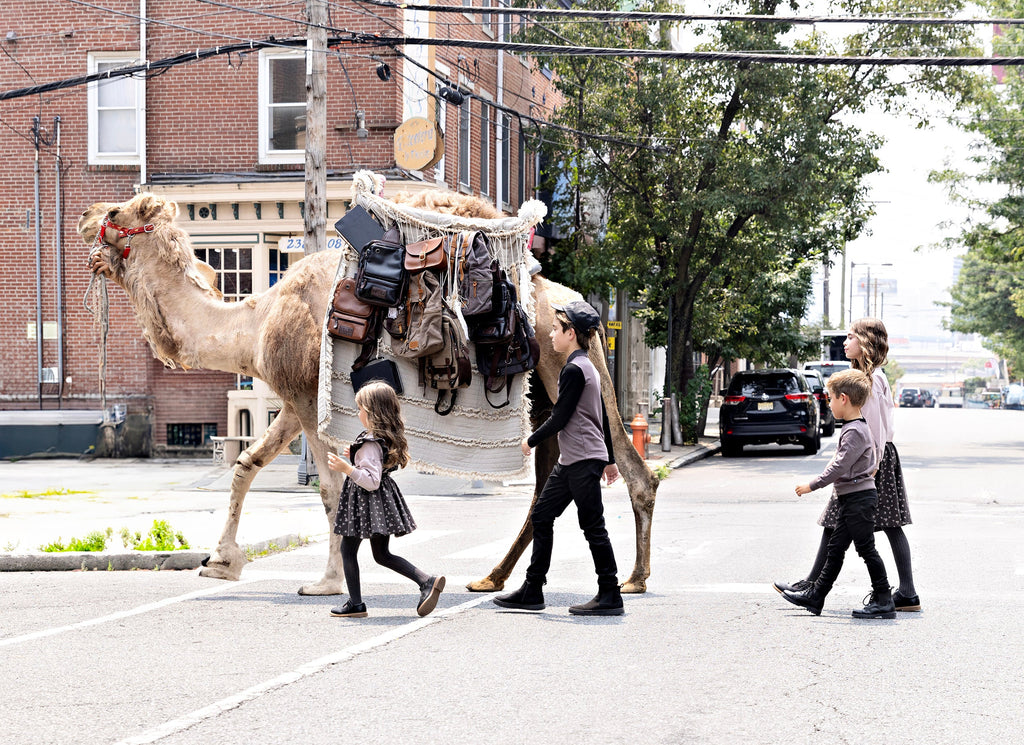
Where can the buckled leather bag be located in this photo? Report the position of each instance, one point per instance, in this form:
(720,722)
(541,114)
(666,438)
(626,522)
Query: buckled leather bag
(428,254)
(449,368)
(349,317)
(500,362)
(471,258)
(422,327)
(381,278)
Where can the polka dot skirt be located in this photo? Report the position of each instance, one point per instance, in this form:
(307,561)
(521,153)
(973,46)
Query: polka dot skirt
(893,509)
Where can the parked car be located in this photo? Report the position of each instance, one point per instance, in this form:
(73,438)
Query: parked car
(763,406)
(828,420)
(911,397)
(927,398)
(827,367)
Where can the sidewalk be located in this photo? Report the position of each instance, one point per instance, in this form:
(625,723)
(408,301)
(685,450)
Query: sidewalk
(48,500)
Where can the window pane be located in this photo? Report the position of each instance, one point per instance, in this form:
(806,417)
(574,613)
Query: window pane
(116,92)
(230,259)
(245,283)
(116,131)
(245,258)
(230,284)
(286,123)
(288,80)
(213,258)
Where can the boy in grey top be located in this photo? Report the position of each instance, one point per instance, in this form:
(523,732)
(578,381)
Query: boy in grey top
(585,454)
(851,471)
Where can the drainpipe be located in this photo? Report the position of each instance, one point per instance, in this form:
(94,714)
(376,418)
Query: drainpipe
(59,244)
(143,174)
(39,268)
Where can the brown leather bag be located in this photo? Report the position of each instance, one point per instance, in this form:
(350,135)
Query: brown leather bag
(350,318)
(428,254)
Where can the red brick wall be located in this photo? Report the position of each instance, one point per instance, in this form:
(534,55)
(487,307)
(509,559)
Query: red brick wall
(201,118)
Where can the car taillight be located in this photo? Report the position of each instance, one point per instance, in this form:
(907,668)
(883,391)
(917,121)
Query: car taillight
(735,399)
(798,396)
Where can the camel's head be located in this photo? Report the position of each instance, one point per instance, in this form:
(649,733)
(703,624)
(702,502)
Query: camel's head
(141,228)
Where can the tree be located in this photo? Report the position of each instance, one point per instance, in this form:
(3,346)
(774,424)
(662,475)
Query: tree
(722,183)
(988,296)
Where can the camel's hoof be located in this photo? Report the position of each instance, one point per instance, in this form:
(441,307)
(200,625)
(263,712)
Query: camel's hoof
(485,585)
(221,571)
(634,586)
(323,587)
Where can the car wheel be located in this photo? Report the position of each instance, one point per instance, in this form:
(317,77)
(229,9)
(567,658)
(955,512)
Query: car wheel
(812,444)
(731,449)
(829,429)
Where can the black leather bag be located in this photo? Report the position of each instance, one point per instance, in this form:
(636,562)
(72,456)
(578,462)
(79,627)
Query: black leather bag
(384,370)
(382,279)
(500,362)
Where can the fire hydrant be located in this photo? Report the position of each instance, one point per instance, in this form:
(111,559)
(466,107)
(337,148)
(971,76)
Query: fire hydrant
(640,437)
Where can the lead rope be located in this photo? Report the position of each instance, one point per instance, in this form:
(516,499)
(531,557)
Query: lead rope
(101,321)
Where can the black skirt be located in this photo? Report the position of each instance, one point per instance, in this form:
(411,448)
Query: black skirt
(893,510)
(363,513)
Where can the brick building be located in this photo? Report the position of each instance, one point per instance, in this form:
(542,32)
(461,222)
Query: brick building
(223,134)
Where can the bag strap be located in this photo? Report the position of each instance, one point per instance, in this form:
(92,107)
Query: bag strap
(451,404)
(370,345)
(508,394)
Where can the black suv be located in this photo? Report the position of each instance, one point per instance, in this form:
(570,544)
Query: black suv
(828,420)
(911,397)
(764,406)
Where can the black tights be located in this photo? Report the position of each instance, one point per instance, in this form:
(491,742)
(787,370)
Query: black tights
(382,555)
(900,554)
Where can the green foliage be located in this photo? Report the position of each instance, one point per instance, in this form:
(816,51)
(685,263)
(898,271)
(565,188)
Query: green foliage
(893,372)
(161,537)
(662,471)
(693,404)
(94,541)
(718,185)
(53,492)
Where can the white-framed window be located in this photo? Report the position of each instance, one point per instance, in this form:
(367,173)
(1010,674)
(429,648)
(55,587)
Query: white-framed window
(233,265)
(465,135)
(115,111)
(486,19)
(282,101)
(505,156)
(485,148)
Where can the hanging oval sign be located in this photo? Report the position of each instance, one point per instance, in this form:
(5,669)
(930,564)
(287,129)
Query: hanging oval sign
(418,144)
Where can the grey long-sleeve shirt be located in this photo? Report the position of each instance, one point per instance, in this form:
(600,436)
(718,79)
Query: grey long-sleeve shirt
(852,466)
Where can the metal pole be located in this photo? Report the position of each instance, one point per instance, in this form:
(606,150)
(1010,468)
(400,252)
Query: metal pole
(58,217)
(867,294)
(39,268)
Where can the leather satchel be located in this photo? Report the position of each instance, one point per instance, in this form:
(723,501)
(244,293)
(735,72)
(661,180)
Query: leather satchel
(381,278)
(349,317)
(428,254)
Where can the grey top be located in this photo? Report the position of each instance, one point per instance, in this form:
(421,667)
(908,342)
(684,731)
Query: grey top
(578,416)
(852,467)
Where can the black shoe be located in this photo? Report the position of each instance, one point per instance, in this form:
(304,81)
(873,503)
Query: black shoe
(877,605)
(430,591)
(350,610)
(607,602)
(528,597)
(906,602)
(812,599)
(799,586)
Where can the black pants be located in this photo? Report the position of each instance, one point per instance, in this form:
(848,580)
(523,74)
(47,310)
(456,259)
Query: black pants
(578,482)
(856,525)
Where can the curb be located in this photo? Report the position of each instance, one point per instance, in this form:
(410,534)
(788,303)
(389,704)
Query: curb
(74,561)
(703,451)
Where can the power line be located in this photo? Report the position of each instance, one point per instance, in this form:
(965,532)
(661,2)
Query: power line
(615,15)
(768,57)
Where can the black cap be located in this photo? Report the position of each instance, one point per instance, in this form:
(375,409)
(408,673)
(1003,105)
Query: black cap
(581,315)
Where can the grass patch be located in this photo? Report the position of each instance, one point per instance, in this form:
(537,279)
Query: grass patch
(42,494)
(252,553)
(161,537)
(662,471)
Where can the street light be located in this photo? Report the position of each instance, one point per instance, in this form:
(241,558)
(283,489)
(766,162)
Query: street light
(867,288)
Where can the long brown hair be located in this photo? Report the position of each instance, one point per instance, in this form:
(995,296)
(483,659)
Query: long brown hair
(384,413)
(874,344)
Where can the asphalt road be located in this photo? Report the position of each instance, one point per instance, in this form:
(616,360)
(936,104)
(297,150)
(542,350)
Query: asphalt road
(710,654)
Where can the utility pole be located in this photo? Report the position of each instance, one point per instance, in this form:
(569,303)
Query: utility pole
(315,221)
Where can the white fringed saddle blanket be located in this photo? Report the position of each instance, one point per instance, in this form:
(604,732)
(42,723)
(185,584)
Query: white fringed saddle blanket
(475,440)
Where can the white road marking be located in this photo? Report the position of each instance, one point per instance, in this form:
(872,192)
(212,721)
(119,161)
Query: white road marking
(310,668)
(123,614)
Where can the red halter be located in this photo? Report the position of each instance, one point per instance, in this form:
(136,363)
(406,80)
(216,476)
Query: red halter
(124,233)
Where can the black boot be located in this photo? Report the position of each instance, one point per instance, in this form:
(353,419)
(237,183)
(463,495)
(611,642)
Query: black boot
(430,591)
(528,597)
(813,598)
(607,602)
(879,605)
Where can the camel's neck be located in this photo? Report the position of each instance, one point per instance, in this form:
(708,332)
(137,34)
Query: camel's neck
(193,329)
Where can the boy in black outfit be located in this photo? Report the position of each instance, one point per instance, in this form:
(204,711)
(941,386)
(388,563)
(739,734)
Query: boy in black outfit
(852,471)
(585,444)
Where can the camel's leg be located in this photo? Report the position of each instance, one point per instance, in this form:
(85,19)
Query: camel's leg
(333,581)
(641,483)
(545,457)
(227,560)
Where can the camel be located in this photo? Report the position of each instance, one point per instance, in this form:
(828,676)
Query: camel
(275,336)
